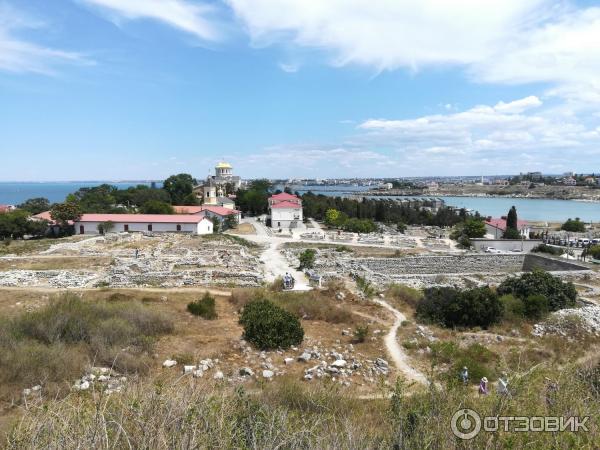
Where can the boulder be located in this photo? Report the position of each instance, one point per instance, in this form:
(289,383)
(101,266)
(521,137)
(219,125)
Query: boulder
(339,363)
(198,373)
(169,363)
(188,369)
(268,373)
(246,372)
(288,360)
(218,375)
(304,357)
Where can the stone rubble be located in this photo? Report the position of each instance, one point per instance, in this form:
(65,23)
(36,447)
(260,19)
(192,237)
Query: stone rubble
(561,322)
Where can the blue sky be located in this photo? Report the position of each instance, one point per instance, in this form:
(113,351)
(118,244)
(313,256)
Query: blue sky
(140,89)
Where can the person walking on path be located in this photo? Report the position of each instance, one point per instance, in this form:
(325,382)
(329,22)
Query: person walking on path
(483,386)
(464,375)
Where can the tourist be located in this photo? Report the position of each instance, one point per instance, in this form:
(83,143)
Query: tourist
(503,384)
(137,253)
(464,375)
(483,386)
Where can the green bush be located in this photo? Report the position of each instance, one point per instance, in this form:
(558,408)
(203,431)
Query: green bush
(204,307)
(307,259)
(558,293)
(267,326)
(360,333)
(535,306)
(355,225)
(450,307)
(513,308)
(545,248)
(594,251)
(574,226)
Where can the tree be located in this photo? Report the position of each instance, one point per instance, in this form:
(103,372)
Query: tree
(18,224)
(216,224)
(35,205)
(512,225)
(474,228)
(268,326)
(452,307)
(230,222)
(63,213)
(180,187)
(594,251)
(574,226)
(97,199)
(106,227)
(332,217)
(558,293)
(307,259)
(156,207)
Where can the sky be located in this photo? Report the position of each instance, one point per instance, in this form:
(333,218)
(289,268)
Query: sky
(142,89)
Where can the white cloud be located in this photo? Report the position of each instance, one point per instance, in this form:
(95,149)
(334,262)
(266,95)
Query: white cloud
(493,139)
(389,34)
(289,67)
(20,55)
(193,18)
(495,41)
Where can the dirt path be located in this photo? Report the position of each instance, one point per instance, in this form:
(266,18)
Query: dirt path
(277,266)
(400,358)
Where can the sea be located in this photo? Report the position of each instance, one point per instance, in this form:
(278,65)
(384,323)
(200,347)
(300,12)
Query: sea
(13,193)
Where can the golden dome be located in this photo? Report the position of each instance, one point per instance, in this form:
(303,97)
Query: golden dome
(223,165)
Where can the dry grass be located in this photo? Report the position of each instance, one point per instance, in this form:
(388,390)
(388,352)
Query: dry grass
(23,247)
(243,228)
(161,414)
(54,263)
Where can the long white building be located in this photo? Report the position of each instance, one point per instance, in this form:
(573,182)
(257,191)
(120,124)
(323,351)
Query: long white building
(183,223)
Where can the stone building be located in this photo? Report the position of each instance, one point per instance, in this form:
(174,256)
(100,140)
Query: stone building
(214,190)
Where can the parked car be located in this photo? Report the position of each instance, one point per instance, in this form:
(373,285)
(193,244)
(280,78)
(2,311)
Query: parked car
(492,250)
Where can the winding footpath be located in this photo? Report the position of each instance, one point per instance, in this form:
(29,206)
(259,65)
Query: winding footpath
(400,358)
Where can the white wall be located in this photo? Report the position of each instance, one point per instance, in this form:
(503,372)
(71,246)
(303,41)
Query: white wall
(199,228)
(285,214)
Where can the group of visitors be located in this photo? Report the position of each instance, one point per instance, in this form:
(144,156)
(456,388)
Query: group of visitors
(288,281)
(501,388)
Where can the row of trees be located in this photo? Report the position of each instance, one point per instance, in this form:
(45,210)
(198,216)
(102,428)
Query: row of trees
(379,210)
(17,224)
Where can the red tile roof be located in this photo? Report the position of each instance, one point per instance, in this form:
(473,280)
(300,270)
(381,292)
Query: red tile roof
(43,215)
(284,196)
(187,209)
(143,218)
(289,205)
(501,223)
(220,210)
(4,208)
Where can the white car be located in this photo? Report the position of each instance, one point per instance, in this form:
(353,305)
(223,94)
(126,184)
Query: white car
(492,250)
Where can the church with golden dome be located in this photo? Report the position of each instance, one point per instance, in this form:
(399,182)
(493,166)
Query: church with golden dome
(216,189)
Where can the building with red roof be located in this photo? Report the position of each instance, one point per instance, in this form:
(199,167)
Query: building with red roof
(6,208)
(210,211)
(285,210)
(497,226)
(184,223)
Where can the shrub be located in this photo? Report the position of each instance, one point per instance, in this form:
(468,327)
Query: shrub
(575,226)
(545,248)
(451,307)
(268,326)
(535,306)
(307,259)
(404,294)
(364,286)
(204,307)
(594,251)
(360,333)
(559,294)
(355,225)
(513,308)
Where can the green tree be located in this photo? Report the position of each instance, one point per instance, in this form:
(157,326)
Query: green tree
(559,294)
(180,187)
(106,227)
(450,307)
(216,224)
(474,228)
(18,224)
(230,222)
(62,213)
(268,326)
(332,217)
(156,207)
(594,251)
(574,226)
(35,205)
(535,306)
(512,225)
(307,259)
